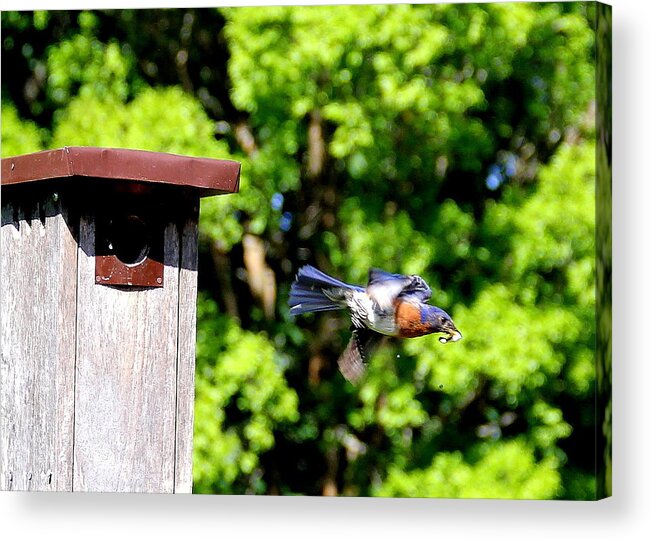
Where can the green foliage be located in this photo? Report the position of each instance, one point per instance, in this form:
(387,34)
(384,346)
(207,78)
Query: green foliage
(452,141)
(165,120)
(504,471)
(19,136)
(226,446)
(83,65)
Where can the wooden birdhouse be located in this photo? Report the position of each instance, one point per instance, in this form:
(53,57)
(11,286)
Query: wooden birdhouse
(99,285)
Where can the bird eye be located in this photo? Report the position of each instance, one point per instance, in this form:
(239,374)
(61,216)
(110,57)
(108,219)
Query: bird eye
(442,319)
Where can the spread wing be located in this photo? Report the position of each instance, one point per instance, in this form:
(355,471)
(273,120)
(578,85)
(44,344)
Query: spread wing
(418,289)
(353,361)
(384,287)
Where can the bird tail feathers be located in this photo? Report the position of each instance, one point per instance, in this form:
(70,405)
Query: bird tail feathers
(314,290)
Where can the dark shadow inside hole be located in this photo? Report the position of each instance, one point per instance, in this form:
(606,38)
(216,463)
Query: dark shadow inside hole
(41,212)
(130,239)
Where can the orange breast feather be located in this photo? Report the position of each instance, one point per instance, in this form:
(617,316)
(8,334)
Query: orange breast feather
(409,322)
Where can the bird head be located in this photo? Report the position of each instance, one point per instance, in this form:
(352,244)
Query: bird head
(440,322)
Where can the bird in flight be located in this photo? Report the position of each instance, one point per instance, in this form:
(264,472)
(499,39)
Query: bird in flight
(390,305)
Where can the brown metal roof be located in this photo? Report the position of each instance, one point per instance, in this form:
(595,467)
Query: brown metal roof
(209,176)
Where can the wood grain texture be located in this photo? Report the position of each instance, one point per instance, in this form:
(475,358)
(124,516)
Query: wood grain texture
(97,382)
(39,259)
(125,408)
(186,355)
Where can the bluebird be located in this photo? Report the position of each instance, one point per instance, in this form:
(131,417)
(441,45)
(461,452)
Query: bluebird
(390,305)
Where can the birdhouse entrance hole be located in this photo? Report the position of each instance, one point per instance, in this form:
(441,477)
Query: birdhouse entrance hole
(129,238)
(129,243)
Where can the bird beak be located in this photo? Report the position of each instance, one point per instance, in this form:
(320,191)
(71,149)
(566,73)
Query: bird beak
(452,334)
(456,336)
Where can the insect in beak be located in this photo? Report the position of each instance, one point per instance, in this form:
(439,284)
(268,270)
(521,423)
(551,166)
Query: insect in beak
(453,336)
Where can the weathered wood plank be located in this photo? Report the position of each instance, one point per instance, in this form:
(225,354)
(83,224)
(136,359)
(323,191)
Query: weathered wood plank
(186,355)
(126,377)
(39,259)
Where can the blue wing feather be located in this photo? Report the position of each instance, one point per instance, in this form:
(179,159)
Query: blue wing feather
(375,275)
(307,292)
(386,287)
